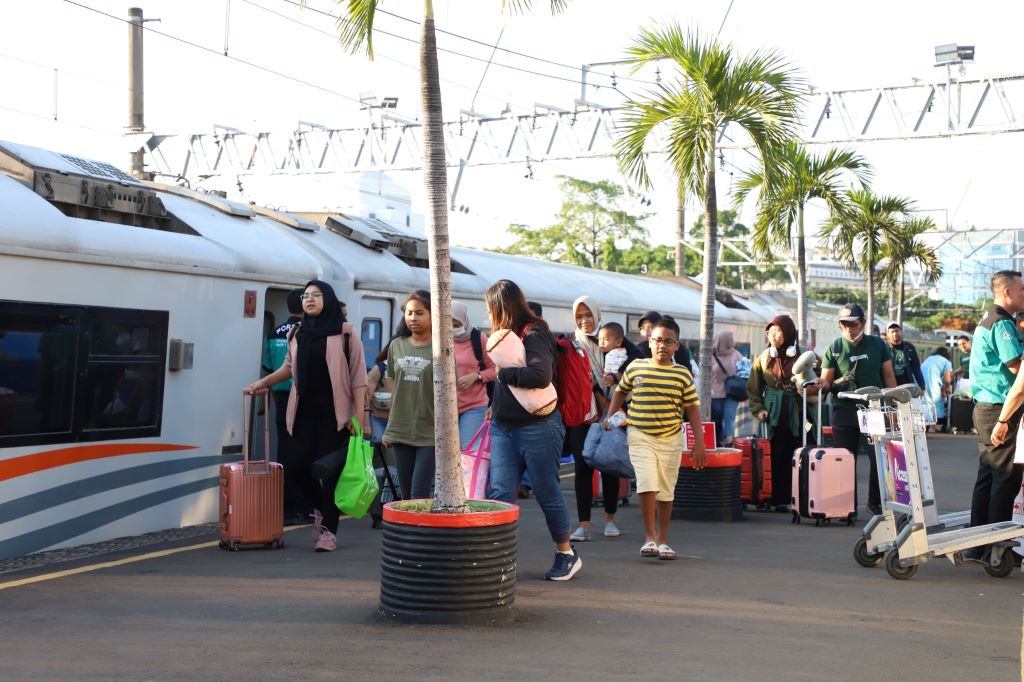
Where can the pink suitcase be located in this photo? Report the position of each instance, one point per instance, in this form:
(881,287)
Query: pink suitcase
(824,481)
(252,495)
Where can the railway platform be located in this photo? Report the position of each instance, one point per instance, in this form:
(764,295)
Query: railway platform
(753,600)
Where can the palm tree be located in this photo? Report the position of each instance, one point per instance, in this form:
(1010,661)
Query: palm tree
(801,178)
(355,28)
(757,93)
(905,251)
(860,239)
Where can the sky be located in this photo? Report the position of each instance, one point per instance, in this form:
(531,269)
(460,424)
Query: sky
(188,88)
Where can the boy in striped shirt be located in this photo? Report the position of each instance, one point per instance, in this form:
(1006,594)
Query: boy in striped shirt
(662,394)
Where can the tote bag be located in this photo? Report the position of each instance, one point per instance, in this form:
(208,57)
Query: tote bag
(357,486)
(476,463)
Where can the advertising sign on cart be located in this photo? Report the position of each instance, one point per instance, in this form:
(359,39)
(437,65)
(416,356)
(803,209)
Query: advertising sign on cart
(897,481)
(709,436)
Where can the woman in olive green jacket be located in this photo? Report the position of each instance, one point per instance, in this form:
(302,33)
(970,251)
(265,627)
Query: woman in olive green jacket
(776,401)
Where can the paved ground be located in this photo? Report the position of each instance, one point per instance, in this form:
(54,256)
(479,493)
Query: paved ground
(755,600)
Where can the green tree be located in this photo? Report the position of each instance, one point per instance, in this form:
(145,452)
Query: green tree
(799,178)
(737,276)
(907,250)
(758,94)
(591,221)
(355,28)
(861,237)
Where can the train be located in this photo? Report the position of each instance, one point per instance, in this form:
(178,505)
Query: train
(133,313)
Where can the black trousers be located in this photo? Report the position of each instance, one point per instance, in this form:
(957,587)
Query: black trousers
(998,479)
(784,445)
(846,434)
(575,436)
(415,464)
(315,434)
(291,492)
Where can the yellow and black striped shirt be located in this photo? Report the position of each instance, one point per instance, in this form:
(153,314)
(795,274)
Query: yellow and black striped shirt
(660,395)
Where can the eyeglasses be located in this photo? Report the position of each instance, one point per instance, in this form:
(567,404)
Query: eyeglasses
(312,294)
(663,341)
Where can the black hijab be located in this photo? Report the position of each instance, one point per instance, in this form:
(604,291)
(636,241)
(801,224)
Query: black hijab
(314,330)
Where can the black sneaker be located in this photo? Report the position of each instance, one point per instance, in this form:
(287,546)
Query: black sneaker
(566,566)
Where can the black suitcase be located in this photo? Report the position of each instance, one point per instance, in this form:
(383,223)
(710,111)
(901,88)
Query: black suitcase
(960,414)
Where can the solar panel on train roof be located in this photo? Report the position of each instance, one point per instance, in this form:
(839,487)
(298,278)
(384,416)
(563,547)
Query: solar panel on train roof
(42,159)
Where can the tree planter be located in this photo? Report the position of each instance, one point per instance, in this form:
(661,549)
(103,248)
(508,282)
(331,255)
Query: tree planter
(448,568)
(711,493)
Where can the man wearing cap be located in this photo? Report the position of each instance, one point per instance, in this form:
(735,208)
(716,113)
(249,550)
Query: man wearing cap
(854,360)
(906,364)
(682,355)
(994,365)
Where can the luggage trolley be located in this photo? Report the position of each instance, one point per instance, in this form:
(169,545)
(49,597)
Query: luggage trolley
(881,423)
(907,489)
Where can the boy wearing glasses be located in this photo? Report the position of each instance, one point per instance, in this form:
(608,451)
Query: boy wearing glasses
(852,361)
(662,394)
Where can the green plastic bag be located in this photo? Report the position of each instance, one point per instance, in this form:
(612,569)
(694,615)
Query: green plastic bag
(357,486)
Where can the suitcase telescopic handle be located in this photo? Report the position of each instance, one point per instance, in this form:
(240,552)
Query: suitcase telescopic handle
(246,455)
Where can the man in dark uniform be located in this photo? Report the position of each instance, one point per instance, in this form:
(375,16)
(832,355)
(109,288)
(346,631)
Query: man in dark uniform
(275,348)
(906,364)
(995,362)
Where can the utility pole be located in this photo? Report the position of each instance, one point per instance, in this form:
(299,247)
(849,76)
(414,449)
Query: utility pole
(136,123)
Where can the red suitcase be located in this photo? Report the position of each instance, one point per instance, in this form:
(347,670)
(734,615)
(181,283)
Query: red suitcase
(625,490)
(755,469)
(252,495)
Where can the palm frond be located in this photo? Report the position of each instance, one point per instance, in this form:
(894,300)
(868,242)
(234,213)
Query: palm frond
(355,25)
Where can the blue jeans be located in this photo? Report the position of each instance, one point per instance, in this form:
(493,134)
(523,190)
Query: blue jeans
(726,407)
(469,423)
(379,426)
(535,448)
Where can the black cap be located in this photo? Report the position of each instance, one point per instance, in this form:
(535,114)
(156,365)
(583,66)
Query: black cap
(652,316)
(851,312)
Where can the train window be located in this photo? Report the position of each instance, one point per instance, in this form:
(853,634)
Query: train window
(78,373)
(38,358)
(372,336)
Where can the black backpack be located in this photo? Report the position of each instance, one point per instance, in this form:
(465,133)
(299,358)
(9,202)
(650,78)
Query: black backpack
(478,351)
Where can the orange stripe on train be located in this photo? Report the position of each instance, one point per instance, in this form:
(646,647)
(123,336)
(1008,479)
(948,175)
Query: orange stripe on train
(40,461)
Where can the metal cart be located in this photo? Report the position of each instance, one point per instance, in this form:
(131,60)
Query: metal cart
(909,531)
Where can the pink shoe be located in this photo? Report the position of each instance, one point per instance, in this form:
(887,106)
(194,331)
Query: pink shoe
(318,520)
(327,542)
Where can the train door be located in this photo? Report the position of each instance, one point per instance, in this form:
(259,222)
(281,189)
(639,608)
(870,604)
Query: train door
(376,326)
(275,313)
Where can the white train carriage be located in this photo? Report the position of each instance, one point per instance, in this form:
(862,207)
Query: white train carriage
(132,314)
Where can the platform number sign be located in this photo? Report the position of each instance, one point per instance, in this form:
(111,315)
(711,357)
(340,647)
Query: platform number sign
(249,305)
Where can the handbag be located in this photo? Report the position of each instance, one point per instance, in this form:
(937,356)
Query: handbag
(735,387)
(476,463)
(608,451)
(357,486)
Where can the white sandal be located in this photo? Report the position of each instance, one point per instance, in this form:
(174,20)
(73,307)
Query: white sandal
(650,550)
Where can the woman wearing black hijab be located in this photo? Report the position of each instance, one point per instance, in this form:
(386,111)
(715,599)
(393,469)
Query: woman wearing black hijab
(325,358)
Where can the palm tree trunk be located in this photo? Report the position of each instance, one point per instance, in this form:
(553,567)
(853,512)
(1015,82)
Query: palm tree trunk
(869,325)
(900,297)
(801,280)
(681,230)
(450,496)
(707,300)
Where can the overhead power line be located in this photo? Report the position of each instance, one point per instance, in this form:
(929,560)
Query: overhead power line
(575,81)
(197,46)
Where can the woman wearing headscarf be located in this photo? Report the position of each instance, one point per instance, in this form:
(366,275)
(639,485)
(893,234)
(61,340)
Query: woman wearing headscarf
(473,369)
(328,395)
(723,365)
(776,401)
(587,314)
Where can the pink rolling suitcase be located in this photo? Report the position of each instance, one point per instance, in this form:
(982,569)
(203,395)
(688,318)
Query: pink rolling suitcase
(824,482)
(252,494)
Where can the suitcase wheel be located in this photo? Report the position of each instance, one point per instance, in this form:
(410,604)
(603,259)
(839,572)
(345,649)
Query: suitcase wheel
(222,544)
(279,544)
(796,518)
(625,502)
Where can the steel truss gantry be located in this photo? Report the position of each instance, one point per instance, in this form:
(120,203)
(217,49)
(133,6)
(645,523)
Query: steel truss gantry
(391,142)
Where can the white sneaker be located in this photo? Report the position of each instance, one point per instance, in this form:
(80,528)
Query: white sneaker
(611,530)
